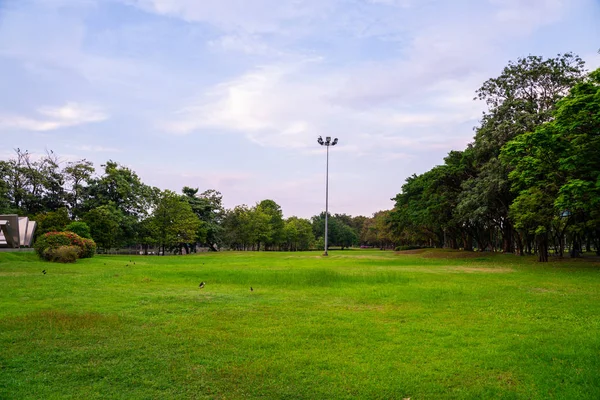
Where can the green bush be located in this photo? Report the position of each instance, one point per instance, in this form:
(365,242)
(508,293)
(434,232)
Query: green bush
(89,248)
(80,228)
(49,242)
(63,254)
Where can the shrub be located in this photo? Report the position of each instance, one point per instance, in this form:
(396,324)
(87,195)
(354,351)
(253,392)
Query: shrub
(63,254)
(80,228)
(89,248)
(48,242)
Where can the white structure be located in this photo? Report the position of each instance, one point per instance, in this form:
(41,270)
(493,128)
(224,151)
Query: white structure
(16,231)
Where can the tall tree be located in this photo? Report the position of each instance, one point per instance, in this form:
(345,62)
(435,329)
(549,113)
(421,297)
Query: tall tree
(174,221)
(520,99)
(77,174)
(208,207)
(557,170)
(275,223)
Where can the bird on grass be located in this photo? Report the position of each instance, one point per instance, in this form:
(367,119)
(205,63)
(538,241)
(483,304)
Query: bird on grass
(44,272)
(252,290)
(201,285)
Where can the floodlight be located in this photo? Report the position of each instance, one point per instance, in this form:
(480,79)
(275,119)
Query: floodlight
(327,143)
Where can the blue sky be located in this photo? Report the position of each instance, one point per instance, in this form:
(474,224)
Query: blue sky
(232,94)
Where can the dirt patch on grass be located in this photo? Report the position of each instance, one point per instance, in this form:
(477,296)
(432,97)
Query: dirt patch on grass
(457,270)
(542,290)
(14,273)
(457,254)
(408,252)
(471,270)
(66,321)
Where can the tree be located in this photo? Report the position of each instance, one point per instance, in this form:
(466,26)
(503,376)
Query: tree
(209,209)
(298,234)
(174,222)
(77,174)
(557,171)
(275,223)
(80,228)
(520,99)
(51,221)
(105,225)
(236,228)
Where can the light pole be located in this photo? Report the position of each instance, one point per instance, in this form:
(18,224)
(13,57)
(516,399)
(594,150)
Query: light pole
(327,142)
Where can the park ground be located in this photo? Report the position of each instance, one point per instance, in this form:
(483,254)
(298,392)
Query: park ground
(358,324)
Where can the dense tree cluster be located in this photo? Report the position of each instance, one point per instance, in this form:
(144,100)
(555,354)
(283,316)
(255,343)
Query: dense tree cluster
(530,180)
(118,210)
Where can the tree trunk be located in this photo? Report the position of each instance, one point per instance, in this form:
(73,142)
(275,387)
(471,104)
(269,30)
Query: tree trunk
(576,249)
(507,237)
(542,242)
(519,240)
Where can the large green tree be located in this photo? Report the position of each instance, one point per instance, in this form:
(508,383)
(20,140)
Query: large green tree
(557,171)
(522,97)
(174,222)
(208,207)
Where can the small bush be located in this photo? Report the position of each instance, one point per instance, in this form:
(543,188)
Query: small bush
(46,244)
(63,254)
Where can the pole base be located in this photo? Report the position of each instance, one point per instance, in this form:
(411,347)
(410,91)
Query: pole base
(325,254)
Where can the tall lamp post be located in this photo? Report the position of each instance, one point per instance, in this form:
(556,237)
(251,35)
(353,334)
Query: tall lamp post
(327,142)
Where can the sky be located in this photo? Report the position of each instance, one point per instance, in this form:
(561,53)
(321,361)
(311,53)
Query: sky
(232,95)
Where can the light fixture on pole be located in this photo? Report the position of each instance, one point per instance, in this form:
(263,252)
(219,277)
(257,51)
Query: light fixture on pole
(327,142)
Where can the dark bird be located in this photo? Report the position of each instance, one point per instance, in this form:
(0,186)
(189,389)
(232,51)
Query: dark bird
(252,290)
(201,285)
(44,272)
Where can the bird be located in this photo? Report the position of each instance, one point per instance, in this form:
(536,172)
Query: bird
(252,290)
(44,272)
(201,285)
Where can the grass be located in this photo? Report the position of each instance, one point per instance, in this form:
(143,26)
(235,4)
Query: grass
(358,324)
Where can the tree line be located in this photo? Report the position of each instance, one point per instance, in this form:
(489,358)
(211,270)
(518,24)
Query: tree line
(530,180)
(119,210)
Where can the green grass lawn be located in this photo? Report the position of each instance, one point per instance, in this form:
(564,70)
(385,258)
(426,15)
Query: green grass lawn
(358,324)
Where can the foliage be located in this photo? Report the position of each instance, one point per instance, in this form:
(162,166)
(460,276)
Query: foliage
(533,162)
(298,234)
(46,244)
(51,221)
(208,208)
(80,228)
(62,254)
(105,223)
(173,221)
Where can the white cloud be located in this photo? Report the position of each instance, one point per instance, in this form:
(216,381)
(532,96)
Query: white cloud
(288,106)
(71,114)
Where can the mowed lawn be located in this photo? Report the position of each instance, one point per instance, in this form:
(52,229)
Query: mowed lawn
(358,324)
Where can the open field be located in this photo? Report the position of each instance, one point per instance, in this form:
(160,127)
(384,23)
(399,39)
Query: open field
(359,324)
